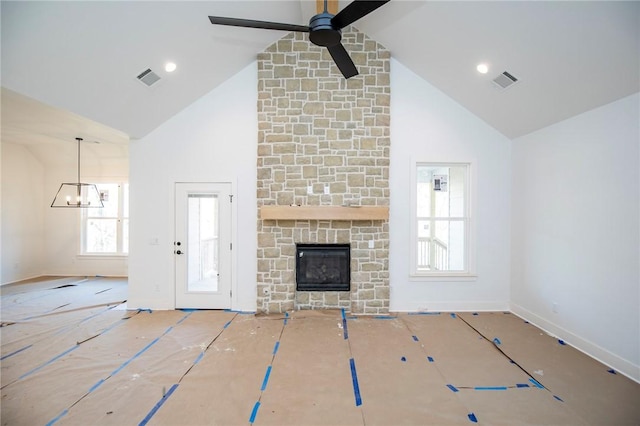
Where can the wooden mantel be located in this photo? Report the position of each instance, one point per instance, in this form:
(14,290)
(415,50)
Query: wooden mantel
(324,213)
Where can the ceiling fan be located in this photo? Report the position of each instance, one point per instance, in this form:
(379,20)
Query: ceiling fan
(324,29)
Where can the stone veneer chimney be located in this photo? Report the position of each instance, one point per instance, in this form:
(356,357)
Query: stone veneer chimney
(316,129)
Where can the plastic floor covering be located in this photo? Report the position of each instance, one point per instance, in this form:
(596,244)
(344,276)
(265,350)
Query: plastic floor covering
(71,354)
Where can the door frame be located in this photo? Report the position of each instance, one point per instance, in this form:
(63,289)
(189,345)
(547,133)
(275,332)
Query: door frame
(233,227)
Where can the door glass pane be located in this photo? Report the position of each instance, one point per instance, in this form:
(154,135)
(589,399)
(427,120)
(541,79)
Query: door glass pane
(202,245)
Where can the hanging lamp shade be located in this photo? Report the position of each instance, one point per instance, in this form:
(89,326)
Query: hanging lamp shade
(78,195)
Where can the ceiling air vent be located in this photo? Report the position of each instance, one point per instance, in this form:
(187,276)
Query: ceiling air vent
(505,80)
(148,77)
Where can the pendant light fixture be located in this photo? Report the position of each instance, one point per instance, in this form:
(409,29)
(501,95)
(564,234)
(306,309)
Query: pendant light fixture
(78,195)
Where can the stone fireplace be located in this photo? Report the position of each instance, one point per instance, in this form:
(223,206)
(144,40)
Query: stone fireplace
(323,141)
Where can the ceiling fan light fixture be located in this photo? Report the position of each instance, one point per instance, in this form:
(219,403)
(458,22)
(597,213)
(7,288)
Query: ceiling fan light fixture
(78,194)
(170,67)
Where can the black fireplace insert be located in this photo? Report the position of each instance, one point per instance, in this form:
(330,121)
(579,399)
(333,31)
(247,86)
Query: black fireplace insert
(323,267)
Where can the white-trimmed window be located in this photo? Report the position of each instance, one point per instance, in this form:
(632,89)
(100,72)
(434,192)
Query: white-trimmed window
(105,231)
(441,220)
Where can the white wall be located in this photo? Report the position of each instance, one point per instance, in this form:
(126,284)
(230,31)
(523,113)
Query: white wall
(213,140)
(576,231)
(426,125)
(22,214)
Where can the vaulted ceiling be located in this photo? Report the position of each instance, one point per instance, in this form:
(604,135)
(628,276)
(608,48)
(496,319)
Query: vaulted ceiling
(80,59)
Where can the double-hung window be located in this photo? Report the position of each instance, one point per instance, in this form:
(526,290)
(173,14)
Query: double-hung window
(105,231)
(441,220)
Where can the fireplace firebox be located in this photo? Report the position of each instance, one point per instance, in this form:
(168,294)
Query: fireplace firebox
(323,267)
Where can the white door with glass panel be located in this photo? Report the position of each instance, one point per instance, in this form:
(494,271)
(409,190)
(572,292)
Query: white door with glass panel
(203,245)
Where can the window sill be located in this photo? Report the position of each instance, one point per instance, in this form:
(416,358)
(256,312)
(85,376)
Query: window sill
(96,256)
(443,277)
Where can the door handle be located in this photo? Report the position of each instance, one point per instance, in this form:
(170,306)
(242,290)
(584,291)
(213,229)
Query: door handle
(178,252)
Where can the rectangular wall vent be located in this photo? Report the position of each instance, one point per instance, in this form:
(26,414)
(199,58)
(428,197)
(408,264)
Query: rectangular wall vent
(148,77)
(505,80)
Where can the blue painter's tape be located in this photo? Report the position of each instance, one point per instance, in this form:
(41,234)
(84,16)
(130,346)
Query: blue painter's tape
(354,379)
(200,356)
(611,370)
(384,317)
(472,418)
(184,318)
(475,314)
(536,384)
(344,325)
(497,341)
(158,405)
(266,378)
(275,347)
(286,317)
(415,338)
(491,388)
(140,352)
(254,412)
(424,313)
(227,324)
(51,361)
(522,385)
(453,315)
(233,311)
(187,309)
(96,386)
(145,310)
(15,352)
(403,359)
(430,359)
(58,417)
(561,342)
(453,388)
(344,316)
(558,398)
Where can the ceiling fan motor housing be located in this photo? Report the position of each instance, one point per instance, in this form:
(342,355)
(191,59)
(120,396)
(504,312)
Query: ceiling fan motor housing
(322,32)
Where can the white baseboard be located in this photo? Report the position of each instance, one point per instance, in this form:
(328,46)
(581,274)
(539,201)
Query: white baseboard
(593,350)
(453,306)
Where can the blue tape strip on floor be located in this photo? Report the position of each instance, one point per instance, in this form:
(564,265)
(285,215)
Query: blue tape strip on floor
(158,405)
(227,324)
(15,352)
(452,315)
(384,317)
(497,341)
(522,385)
(558,398)
(200,356)
(472,418)
(55,419)
(424,313)
(344,325)
(453,388)
(490,388)
(52,360)
(403,359)
(354,379)
(415,338)
(233,311)
(276,347)
(611,370)
(538,385)
(286,317)
(266,379)
(254,412)
(430,359)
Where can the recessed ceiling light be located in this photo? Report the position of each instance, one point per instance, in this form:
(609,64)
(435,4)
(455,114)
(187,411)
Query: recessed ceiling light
(482,68)
(170,67)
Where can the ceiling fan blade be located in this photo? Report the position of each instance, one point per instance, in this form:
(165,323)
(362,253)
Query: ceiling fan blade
(250,23)
(342,60)
(354,11)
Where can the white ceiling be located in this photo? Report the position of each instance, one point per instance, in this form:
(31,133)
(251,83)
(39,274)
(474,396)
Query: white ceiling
(83,57)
